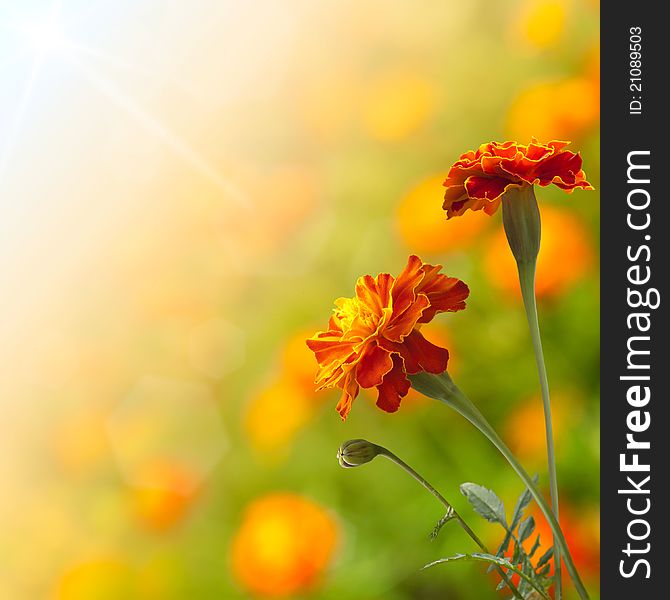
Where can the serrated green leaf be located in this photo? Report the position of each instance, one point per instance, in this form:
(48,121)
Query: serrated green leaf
(534,548)
(521,504)
(526,529)
(485,503)
(442,522)
(545,557)
(496,560)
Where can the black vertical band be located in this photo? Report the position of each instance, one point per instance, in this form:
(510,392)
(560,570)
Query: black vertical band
(635,461)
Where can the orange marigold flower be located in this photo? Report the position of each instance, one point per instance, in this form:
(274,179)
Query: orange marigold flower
(373,339)
(478,179)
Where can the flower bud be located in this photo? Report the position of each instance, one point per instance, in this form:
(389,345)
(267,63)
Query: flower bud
(521,219)
(354,453)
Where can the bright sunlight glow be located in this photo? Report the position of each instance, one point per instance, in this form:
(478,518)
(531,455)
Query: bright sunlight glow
(46,38)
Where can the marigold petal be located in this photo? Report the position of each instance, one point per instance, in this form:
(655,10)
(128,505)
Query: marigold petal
(328,346)
(401,325)
(421,355)
(493,166)
(446,294)
(373,292)
(407,307)
(485,188)
(373,365)
(558,145)
(394,387)
(564,165)
(537,151)
(491,207)
(350,391)
(403,288)
(457,208)
(454,193)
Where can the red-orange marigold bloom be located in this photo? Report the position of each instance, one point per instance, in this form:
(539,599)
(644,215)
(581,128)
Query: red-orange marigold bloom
(478,179)
(373,339)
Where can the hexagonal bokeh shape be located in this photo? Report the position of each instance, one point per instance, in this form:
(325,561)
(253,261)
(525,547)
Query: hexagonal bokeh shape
(167,426)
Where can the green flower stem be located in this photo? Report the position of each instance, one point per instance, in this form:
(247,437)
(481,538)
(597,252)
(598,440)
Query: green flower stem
(523,228)
(441,387)
(450,510)
(527,282)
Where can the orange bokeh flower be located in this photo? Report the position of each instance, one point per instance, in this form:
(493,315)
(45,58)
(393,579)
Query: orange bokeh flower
(421,228)
(566,107)
(541,23)
(297,362)
(283,546)
(164,504)
(105,578)
(276,414)
(524,427)
(479,178)
(373,339)
(396,104)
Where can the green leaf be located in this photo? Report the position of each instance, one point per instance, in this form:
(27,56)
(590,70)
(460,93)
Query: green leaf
(521,504)
(536,545)
(526,529)
(495,560)
(485,503)
(442,522)
(545,557)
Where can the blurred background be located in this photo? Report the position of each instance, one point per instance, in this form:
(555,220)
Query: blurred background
(184,190)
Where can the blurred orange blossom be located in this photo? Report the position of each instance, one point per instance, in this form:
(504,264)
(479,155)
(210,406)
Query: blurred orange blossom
(297,362)
(422,227)
(396,103)
(564,108)
(524,428)
(276,413)
(107,578)
(542,22)
(565,256)
(479,179)
(373,338)
(283,406)
(283,545)
(164,504)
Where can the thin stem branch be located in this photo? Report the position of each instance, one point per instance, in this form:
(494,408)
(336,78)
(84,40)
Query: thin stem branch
(442,388)
(527,283)
(403,465)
